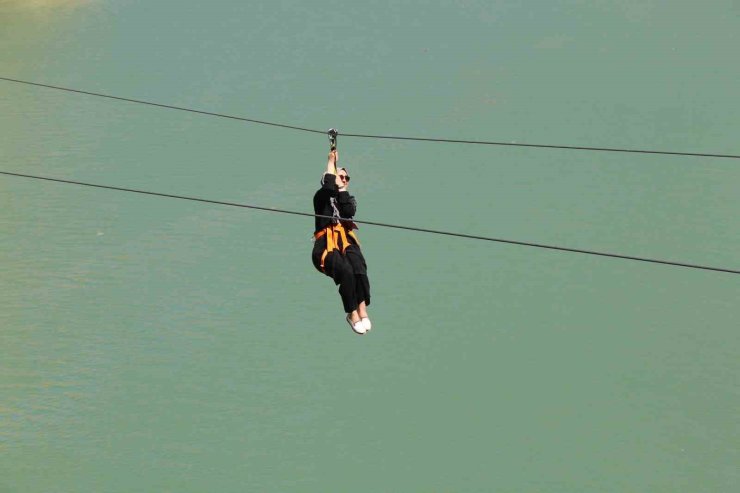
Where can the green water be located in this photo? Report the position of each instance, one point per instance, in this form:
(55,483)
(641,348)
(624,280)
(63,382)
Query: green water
(149,344)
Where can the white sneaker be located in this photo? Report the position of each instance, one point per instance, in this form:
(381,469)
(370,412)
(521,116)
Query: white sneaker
(358,327)
(366,322)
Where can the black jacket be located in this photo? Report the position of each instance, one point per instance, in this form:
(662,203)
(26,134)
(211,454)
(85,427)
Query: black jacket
(322,203)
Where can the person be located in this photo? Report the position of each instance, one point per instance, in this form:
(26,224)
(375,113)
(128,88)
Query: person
(336,251)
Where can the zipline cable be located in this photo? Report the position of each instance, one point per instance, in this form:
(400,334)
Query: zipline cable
(385,137)
(543,146)
(167,106)
(385,225)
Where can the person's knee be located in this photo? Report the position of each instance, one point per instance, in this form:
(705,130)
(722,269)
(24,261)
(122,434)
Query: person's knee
(347,276)
(340,270)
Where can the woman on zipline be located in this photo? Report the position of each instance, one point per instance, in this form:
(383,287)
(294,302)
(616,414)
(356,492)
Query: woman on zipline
(336,251)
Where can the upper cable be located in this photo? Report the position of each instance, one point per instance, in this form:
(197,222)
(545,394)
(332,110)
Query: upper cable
(385,137)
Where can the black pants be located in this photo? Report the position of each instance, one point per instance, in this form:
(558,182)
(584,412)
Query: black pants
(349,272)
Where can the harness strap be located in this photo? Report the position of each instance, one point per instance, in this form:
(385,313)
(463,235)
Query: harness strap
(334,234)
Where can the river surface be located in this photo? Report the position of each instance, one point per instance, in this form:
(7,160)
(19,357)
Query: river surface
(154,344)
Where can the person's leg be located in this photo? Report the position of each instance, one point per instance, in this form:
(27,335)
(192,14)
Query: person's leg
(340,270)
(362,283)
(362,309)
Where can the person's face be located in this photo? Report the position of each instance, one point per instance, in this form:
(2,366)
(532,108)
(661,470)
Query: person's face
(342,179)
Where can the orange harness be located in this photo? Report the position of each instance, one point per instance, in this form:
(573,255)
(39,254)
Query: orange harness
(334,233)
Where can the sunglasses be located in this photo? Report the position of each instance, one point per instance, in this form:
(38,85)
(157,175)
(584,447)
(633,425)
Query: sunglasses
(344,177)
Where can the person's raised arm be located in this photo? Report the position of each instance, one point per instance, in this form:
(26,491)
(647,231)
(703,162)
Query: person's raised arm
(331,164)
